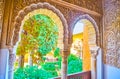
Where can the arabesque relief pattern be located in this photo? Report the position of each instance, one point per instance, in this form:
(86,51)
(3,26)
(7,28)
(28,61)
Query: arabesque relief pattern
(112,33)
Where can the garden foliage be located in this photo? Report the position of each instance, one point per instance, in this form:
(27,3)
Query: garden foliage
(49,69)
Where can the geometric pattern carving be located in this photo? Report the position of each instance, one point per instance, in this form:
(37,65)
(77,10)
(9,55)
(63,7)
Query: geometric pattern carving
(32,7)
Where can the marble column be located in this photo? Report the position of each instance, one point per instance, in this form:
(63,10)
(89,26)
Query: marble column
(11,63)
(94,52)
(64,64)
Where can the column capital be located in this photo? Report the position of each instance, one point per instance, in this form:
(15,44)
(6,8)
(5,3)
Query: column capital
(94,51)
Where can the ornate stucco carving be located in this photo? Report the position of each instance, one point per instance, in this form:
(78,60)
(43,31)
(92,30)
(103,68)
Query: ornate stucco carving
(94,5)
(110,14)
(110,48)
(112,33)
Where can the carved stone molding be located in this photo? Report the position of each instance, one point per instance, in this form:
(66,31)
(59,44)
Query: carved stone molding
(32,7)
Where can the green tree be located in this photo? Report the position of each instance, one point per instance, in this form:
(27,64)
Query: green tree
(39,35)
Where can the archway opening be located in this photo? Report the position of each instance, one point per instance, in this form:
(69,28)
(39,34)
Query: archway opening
(83,39)
(39,25)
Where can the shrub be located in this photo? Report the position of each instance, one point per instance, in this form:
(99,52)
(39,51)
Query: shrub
(48,69)
(74,64)
(33,72)
(49,66)
(19,74)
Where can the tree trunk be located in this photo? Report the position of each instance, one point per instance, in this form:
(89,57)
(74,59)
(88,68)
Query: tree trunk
(30,59)
(21,61)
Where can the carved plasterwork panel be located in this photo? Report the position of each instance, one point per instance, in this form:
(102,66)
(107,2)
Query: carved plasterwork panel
(112,33)
(110,43)
(110,15)
(95,5)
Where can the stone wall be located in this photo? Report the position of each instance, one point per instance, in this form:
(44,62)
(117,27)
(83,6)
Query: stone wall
(112,33)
